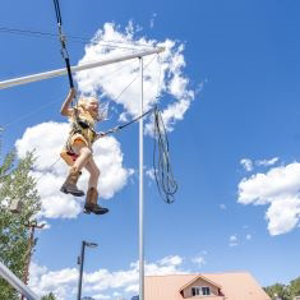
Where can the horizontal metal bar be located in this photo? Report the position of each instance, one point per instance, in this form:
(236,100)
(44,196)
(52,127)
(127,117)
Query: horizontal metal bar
(14,281)
(59,72)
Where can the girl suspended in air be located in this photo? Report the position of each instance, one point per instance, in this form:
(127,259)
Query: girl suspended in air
(78,153)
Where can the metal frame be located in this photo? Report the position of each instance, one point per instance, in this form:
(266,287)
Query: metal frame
(14,281)
(60,72)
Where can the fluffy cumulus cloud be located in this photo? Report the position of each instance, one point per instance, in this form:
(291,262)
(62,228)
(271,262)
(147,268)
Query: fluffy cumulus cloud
(278,188)
(51,175)
(163,76)
(100,284)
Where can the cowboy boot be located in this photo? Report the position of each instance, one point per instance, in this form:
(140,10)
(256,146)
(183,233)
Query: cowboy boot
(69,186)
(91,203)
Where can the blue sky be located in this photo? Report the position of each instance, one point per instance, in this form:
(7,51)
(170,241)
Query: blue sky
(234,149)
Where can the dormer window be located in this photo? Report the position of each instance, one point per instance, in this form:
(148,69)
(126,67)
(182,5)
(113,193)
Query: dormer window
(200,291)
(205,290)
(195,291)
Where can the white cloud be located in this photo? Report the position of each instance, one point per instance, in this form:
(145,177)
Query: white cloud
(61,283)
(233,238)
(233,241)
(247,164)
(116,294)
(101,284)
(248,237)
(132,288)
(199,260)
(279,189)
(107,154)
(160,77)
(172,260)
(283,215)
(266,162)
(151,173)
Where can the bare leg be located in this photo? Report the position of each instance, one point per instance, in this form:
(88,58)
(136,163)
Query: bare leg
(70,185)
(94,171)
(85,154)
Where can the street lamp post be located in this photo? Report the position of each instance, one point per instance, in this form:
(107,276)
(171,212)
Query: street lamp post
(80,263)
(32,225)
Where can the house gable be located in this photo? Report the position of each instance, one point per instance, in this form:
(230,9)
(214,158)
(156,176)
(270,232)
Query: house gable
(200,287)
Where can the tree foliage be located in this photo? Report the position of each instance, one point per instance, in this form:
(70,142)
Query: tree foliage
(277,291)
(284,292)
(295,287)
(15,183)
(49,297)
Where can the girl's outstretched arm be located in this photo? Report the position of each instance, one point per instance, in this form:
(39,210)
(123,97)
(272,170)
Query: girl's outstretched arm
(65,109)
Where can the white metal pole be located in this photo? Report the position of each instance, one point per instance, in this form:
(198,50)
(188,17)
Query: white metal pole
(14,281)
(141,191)
(55,73)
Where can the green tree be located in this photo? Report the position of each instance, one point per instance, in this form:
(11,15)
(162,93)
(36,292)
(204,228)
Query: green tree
(295,287)
(15,183)
(278,291)
(49,297)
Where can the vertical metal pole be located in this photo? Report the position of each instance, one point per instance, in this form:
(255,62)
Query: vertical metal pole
(32,225)
(1,144)
(27,263)
(80,262)
(141,192)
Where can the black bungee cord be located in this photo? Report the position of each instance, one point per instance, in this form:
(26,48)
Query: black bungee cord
(62,38)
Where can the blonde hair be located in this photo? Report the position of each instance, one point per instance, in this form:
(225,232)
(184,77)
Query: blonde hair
(102,107)
(83,101)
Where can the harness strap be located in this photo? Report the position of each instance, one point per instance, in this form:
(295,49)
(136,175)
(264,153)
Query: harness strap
(78,129)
